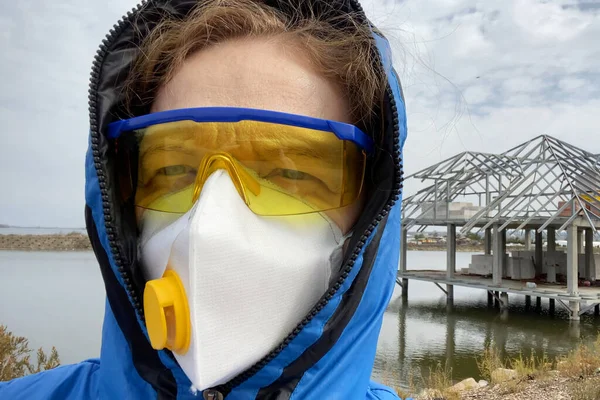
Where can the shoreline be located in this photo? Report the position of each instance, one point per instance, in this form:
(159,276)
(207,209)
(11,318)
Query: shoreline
(76,241)
(54,242)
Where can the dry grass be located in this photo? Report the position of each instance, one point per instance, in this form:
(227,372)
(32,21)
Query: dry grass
(412,387)
(489,361)
(15,357)
(581,362)
(531,367)
(440,380)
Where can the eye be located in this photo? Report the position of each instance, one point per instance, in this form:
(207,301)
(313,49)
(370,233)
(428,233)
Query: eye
(294,174)
(174,170)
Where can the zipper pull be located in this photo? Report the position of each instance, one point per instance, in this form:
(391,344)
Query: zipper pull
(212,394)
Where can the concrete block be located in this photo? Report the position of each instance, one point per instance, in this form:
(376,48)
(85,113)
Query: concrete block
(551,274)
(581,266)
(523,254)
(512,262)
(479,269)
(482,258)
(521,268)
(505,266)
(527,269)
(557,259)
(481,264)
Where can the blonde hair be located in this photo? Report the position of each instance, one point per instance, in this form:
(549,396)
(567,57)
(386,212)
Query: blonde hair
(340,45)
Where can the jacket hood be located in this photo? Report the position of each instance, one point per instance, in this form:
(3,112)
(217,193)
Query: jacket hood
(331,352)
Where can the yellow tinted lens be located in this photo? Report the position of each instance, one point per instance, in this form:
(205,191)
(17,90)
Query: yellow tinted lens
(277,169)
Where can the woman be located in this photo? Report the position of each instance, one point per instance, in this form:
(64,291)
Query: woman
(243,184)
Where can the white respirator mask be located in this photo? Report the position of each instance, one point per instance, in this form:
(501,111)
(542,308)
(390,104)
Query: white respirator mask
(226,286)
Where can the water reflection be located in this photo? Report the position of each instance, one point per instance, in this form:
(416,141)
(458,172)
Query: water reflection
(430,332)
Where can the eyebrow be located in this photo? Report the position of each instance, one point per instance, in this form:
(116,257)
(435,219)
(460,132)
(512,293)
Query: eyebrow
(317,154)
(161,147)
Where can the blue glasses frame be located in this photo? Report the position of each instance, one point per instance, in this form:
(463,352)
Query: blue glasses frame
(232,114)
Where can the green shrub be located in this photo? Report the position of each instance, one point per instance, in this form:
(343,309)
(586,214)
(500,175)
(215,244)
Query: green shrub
(15,357)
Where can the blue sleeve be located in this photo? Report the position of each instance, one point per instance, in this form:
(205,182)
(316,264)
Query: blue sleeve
(69,382)
(378,391)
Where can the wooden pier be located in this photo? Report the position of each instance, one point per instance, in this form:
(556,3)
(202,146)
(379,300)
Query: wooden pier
(587,298)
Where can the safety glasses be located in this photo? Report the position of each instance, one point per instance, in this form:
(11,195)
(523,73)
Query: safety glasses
(280,164)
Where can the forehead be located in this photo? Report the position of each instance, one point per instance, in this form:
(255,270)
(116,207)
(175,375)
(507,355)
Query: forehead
(263,73)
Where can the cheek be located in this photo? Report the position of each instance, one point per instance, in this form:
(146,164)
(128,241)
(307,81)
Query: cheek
(139,213)
(346,217)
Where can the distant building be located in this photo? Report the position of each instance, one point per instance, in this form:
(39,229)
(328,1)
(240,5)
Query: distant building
(591,203)
(456,210)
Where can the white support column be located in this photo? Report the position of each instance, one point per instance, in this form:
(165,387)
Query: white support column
(450,259)
(451,251)
(580,241)
(575,308)
(488,241)
(572,258)
(527,239)
(498,256)
(403,249)
(574,248)
(590,270)
(539,253)
(551,240)
(503,267)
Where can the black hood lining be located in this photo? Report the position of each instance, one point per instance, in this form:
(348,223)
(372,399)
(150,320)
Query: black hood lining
(146,361)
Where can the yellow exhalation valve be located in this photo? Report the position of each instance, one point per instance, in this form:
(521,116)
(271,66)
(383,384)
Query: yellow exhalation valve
(167,313)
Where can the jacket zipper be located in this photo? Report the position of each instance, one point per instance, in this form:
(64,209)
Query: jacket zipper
(112,235)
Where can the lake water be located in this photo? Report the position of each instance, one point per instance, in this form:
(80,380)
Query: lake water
(57,298)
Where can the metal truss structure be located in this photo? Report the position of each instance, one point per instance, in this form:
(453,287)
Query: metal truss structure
(542,183)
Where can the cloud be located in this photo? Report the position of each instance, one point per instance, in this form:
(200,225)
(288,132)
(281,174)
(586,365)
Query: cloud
(476,94)
(571,84)
(487,76)
(478,75)
(47,52)
(550,21)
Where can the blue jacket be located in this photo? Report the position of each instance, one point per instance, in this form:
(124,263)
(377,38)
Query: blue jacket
(331,353)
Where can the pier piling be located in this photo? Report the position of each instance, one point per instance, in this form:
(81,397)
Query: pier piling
(404,288)
(504,301)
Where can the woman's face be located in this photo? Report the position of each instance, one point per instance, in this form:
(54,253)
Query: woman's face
(257,73)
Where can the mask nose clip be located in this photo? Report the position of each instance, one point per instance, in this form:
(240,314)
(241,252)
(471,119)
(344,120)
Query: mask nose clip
(241,178)
(167,313)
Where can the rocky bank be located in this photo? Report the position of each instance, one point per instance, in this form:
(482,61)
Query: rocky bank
(510,385)
(70,242)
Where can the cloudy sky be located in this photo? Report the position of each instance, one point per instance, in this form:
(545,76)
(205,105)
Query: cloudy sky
(478,75)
